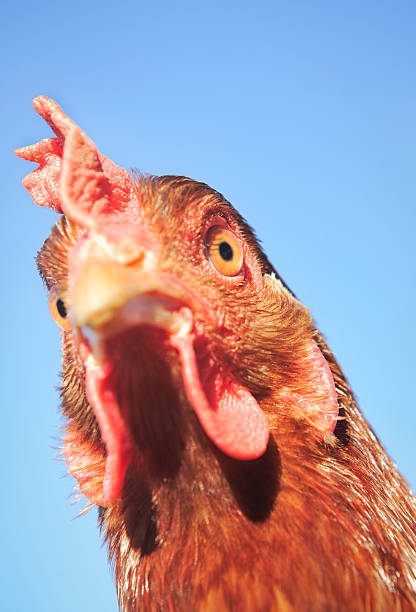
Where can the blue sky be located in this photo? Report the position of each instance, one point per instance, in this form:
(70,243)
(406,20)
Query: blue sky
(303,115)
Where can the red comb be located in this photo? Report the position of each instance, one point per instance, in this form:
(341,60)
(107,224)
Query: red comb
(72,176)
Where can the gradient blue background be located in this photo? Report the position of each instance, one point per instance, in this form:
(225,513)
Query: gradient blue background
(303,115)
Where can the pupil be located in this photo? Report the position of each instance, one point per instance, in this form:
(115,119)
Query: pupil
(226,251)
(61,308)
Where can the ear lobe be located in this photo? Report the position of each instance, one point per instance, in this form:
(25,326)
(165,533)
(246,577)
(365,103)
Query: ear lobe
(313,396)
(86,465)
(315,399)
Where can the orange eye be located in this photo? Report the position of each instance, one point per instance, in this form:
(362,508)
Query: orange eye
(58,309)
(224,251)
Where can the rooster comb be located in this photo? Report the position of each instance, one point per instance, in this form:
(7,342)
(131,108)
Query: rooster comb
(73,177)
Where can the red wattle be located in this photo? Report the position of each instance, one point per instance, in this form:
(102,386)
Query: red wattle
(113,429)
(227,411)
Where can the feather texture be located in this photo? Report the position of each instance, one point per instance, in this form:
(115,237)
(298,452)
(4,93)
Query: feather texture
(319,521)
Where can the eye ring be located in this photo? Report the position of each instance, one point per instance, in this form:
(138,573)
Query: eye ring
(58,309)
(224,251)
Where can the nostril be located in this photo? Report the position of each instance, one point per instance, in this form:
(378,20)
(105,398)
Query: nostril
(137,258)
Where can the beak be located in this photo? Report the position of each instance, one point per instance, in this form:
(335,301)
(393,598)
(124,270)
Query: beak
(109,297)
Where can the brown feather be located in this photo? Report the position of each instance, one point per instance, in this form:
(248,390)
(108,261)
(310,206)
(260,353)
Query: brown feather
(317,525)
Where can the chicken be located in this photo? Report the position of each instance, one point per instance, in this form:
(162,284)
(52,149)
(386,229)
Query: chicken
(205,415)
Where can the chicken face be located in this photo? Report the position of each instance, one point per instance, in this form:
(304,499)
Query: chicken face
(200,407)
(176,322)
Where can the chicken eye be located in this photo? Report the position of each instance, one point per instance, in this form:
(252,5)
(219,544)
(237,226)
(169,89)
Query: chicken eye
(224,251)
(58,309)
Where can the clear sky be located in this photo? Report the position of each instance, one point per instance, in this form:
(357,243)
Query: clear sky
(303,115)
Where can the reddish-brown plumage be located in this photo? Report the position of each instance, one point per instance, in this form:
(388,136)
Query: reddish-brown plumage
(321,521)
